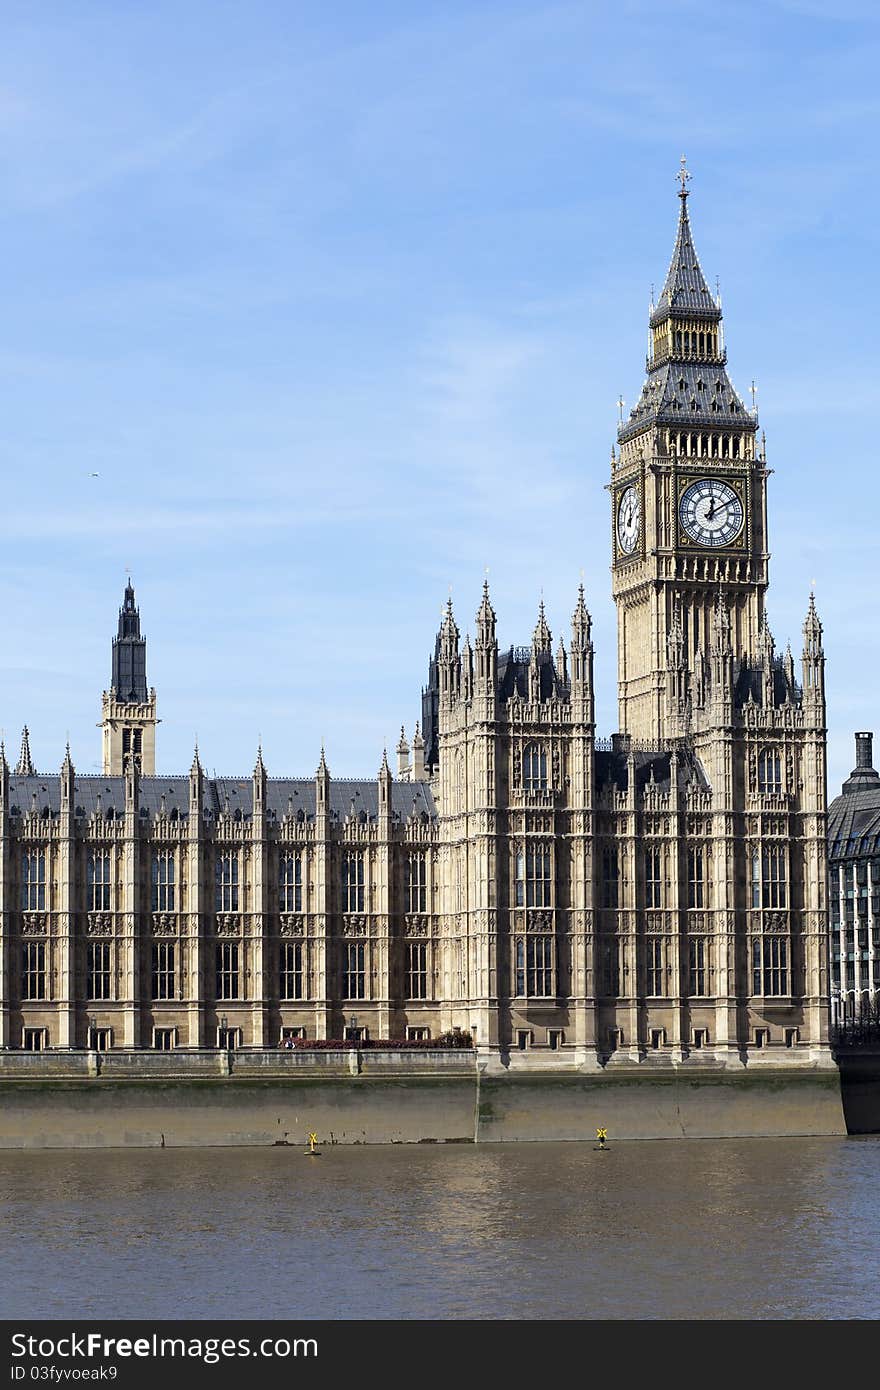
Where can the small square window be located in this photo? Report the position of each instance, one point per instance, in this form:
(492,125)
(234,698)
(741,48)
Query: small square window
(762,1037)
(418,1034)
(555,1038)
(164,1039)
(701,1037)
(791,1037)
(35,1039)
(523,1039)
(658,1038)
(290,1036)
(100,1039)
(229,1038)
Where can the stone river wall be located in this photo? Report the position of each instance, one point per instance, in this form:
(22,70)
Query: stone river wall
(148,1099)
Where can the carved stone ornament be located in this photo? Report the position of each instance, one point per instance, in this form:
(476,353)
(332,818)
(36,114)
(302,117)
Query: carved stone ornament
(164,924)
(775,922)
(99,924)
(291,926)
(655,922)
(228,924)
(33,924)
(416,926)
(354,926)
(539,921)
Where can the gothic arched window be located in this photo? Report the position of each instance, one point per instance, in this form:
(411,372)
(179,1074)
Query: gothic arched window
(769,771)
(534,768)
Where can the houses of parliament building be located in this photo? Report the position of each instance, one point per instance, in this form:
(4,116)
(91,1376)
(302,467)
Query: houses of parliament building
(656,898)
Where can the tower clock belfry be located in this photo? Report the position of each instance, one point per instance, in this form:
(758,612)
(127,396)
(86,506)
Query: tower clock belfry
(688,490)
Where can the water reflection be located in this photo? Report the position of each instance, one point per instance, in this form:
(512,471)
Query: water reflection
(728,1229)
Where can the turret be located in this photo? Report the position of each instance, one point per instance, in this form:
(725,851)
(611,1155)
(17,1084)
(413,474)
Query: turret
(581,650)
(485,647)
(402,756)
(196,789)
(128,708)
(448,661)
(260,785)
(813,665)
(419,773)
(385,785)
(542,648)
(322,788)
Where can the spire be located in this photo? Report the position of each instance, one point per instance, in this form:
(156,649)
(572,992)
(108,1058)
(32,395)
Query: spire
(129,676)
(448,631)
(485,618)
(687,384)
(580,618)
(812,630)
(542,640)
(195,766)
(323,770)
(25,765)
(402,754)
(259,767)
(685,289)
(385,770)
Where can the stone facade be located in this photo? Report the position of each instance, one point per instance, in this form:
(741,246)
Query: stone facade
(657,899)
(854,889)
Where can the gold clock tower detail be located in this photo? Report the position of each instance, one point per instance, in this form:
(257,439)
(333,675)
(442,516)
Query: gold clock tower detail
(688,491)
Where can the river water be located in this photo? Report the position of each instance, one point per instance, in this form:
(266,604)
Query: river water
(758,1229)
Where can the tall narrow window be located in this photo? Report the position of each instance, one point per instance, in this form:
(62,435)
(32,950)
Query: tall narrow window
(539,875)
(756,878)
(534,966)
(33,970)
(98,970)
(292,972)
(98,882)
(769,771)
(227,970)
(696,877)
(353,885)
(655,981)
(162,974)
(226,881)
(354,976)
(534,768)
(697,966)
(654,878)
(415,878)
(290,886)
(163,880)
(770,965)
(610,873)
(33,880)
(519,895)
(416,970)
(773,868)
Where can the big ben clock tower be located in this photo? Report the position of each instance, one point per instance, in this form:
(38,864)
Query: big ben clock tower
(688,496)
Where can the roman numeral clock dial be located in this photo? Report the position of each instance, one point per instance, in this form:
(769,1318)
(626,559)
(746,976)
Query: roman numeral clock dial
(711,512)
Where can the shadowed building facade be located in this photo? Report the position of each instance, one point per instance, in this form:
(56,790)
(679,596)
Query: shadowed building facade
(854,888)
(657,898)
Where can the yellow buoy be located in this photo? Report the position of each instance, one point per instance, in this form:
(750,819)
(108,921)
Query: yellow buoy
(313,1150)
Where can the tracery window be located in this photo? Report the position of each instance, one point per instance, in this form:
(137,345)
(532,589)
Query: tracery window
(654,877)
(354,975)
(162,973)
(227,970)
(534,967)
(98,882)
(33,970)
(98,973)
(163,880)
(769,771)
(534,876)
(696,877)
(655,974)
(417,970)
(770,965)
(226,884)
(33,880)
(290,884)
(292,970)
(697,966)
(415,880)
(534,768)
(353,885)
(769,877)
(610,875)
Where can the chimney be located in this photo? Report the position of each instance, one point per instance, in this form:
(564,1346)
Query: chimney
(864,750)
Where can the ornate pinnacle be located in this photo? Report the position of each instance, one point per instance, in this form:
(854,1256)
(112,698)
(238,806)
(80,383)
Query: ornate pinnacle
(25,766)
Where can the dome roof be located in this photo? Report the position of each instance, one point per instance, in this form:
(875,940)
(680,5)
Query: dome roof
(854,816)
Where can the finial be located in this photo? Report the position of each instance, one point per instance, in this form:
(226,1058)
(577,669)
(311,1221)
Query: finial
(25,766)
(620,405)
(754,391)
(683,177)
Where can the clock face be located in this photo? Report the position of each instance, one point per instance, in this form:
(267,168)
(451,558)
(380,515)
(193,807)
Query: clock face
(629,519)
(711,512)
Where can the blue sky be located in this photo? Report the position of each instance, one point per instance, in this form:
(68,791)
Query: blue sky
(338,300)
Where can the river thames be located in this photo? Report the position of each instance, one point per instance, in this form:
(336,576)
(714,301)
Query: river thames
(757,1229)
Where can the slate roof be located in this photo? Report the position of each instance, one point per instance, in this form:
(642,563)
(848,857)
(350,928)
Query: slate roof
(685,290)
(612,767)
(688,394)
(854,816)
(283,794)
